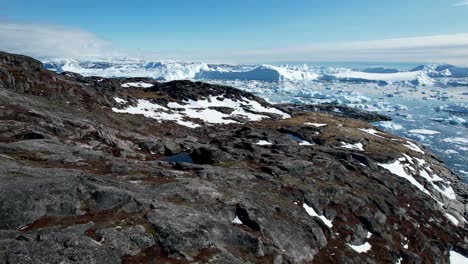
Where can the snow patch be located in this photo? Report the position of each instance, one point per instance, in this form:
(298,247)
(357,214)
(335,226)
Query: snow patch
(355,146)
(119,100)
(398,168)
(245,108)
(457,258)
(413,147)
(263,143)
(155,111)
(361,248)
(314,124)
(237,221)
(452,219)
(371,131)
(137,84)
(310,211)
(305,143)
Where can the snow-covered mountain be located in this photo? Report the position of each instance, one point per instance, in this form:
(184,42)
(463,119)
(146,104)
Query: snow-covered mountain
(424,75)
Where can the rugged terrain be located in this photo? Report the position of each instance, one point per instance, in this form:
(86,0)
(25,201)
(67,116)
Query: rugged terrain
(96,170)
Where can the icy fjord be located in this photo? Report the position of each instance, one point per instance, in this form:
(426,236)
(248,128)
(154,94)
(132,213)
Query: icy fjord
(427,103)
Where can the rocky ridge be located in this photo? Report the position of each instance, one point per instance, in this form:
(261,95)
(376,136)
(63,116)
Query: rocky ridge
(96,170)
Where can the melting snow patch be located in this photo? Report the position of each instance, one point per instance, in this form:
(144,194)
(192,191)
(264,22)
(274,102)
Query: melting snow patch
(119,100)
(407,162)
(312,212)
(202,109)
(457,258)
(246,108)
(355,146)
(237,221)
(305,143)
(137,84)
(263,143)
(361,248)
(413,147)
(398,168)
(424,131)
(452,219)
(152,110)
(447,191)
(371,131)
(314,124)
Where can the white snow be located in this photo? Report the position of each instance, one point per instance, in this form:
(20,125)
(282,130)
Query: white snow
(421,167)
(369,234)
(355,146)
(371,131)
(457,258)
(246,108)
(119,100)
(361,248)
(155,111)
(447,191)
(137,84)
(305,143)
(199,109)
(237,221)
(424,131)
(314,124)
(452,219)
(312,213)
(263,143)
(398,168)
(413,147)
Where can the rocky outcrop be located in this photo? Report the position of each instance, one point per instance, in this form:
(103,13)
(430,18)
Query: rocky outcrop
(82,183)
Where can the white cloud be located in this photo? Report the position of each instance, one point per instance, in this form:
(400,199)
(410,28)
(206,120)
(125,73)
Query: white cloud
(440,48)
(462,3)
(46,41)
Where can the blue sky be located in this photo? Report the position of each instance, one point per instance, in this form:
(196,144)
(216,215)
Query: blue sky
(209,29)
